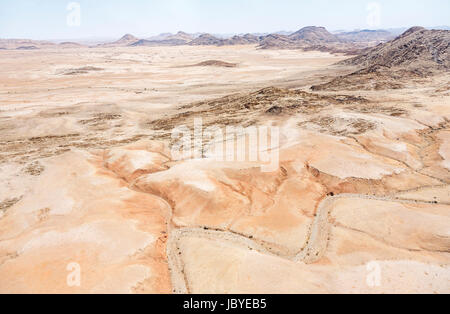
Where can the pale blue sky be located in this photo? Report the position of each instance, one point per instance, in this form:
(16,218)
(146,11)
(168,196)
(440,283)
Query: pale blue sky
(46,19)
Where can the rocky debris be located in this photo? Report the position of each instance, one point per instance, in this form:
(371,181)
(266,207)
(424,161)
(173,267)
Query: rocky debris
(4,205)
(376,77)
(34,169)
(82,70)
(27,48)
(275,110)
(181,36)
(215,63)
(248,109)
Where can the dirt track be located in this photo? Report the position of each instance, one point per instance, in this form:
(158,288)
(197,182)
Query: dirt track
(313,252)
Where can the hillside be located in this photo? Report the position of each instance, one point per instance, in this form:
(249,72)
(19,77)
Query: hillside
(126,40)
(314,35)
(416,54)
(181,36)
(367,36)
(207,40)
(417,48)
(156,43)
(312,38)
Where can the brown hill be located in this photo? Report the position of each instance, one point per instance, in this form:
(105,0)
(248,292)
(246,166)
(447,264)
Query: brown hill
(366,35)
(126,40)
(314,35)
(215,63)
(251,38)
(277,41)
(311,38)
(411,57)
(417,48)
(181,36)
(247,39)
(207,40)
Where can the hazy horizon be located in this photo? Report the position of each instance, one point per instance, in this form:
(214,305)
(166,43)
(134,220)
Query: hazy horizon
(50,20)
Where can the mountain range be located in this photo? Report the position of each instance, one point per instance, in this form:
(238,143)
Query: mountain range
(307,38)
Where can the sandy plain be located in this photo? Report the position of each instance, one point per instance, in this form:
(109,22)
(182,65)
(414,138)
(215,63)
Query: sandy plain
(88,177)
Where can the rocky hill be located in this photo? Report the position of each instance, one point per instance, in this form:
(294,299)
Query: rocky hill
(181,36)
(247,39)
(314,35)
(367,36)
(207,40)
(126,40)
(415,55)
(305,38)
(417,48)
(274,41)
(312,38)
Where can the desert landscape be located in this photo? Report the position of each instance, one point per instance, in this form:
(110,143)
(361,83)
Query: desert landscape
(362,184)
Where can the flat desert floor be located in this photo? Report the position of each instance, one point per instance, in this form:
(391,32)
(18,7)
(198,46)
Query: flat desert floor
(92,199)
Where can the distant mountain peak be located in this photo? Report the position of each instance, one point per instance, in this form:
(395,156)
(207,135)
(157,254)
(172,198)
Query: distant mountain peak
(314,34)
(128,38)
(413,30)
